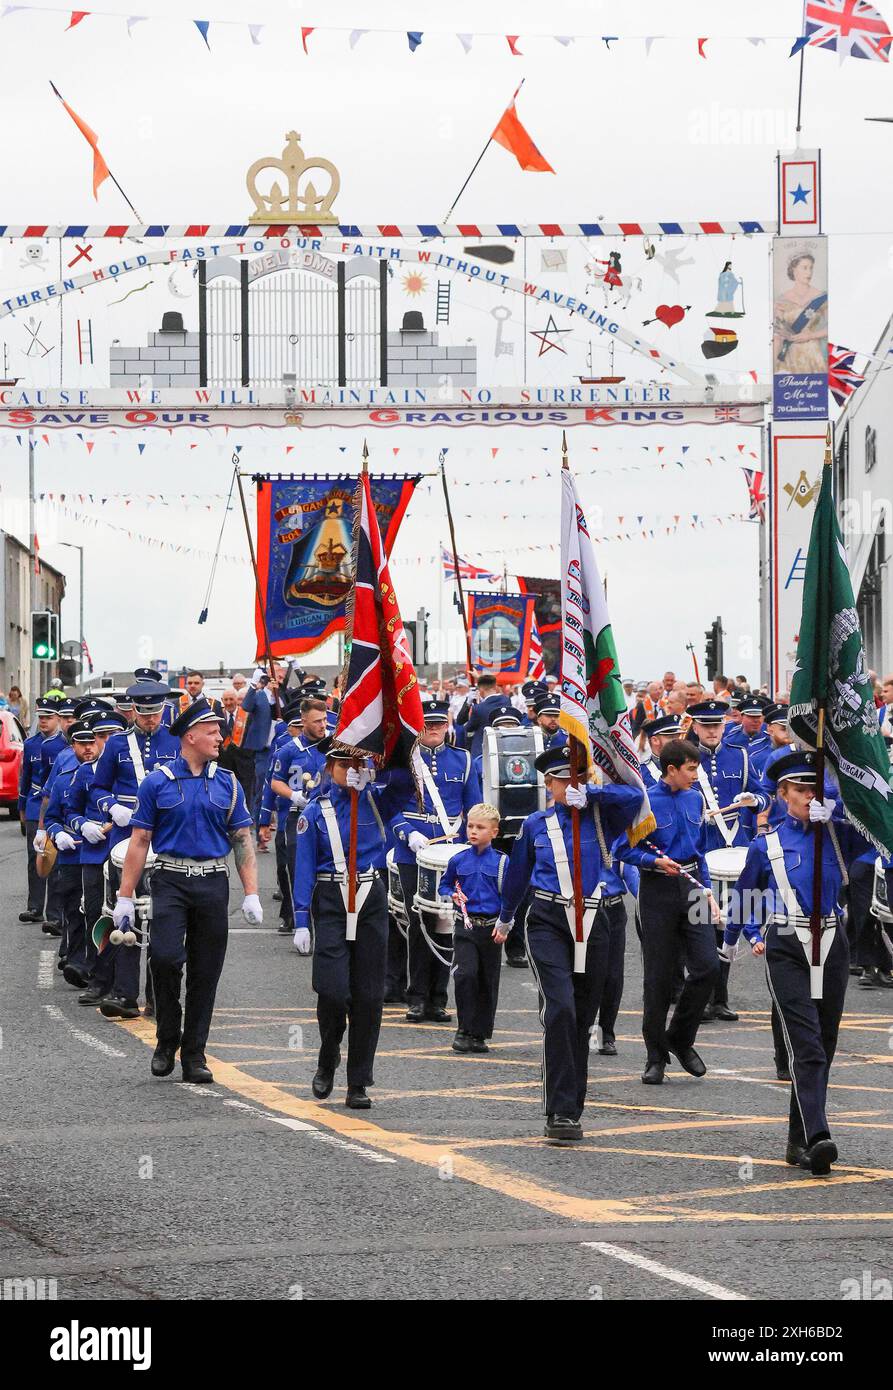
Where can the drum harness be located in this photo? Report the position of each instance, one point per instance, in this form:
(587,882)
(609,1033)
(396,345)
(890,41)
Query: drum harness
(450,830)
(713,805)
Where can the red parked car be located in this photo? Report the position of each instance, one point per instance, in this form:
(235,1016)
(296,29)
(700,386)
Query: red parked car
(12,743)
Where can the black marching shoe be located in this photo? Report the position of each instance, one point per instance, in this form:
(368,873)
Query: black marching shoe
(437,1016)
(608,1048)
(875,978)
(277,896)
(324,1080)
(782,1070)
(653,1075)
(559,1129)
(794,1154)
(52,928)
(197,1073)
(113,1006)
(461,1042)
(415,1013)
(479,1045)
(92,995)
(818,1157)
(73,976)
(163,1059)
(149,1009)
(29,916)
(285,929)
(723,1014)
(709,1014)
(689,1060)
(517,961)
(357,1099)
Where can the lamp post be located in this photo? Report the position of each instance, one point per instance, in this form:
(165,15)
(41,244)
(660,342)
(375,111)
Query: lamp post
(71,546)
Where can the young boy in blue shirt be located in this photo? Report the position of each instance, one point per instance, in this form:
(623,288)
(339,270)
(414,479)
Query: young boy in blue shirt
(473,879)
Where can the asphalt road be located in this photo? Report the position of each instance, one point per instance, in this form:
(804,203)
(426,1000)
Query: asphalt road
(118,1185)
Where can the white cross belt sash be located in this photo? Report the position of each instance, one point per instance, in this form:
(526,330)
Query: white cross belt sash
(136,758)
(713,806)
(337,845)
(792,907)
(566,884)
(449,829)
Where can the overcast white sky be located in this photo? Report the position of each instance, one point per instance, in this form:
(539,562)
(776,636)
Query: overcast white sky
(671,135)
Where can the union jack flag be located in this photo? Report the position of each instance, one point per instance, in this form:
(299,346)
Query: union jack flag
(850,27)
(466,569)
(842,375)
(756,493)
(537,669)
(381,710)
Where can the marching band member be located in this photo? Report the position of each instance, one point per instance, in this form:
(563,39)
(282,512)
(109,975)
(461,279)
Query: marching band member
(294,770)
(658,732)
(671,916)
(451,788)
(779,871)
(348,973)
(548,709)
(542,858)
(68,841)
(191,812)
(473,878)
(125,762)
(37,760)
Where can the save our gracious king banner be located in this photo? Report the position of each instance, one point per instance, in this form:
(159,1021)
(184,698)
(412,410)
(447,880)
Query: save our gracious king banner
(500,625)
(304,546)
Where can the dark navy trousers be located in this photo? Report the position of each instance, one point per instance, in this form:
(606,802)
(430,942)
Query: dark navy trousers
(612,992)
(348,977)
(810,1026)
(72,948)
(674,930)
(189,928)
(477,961)
(568,1002)
(43,893)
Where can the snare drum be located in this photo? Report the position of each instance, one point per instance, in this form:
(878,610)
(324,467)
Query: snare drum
(116,860)
(396,905)
(511,782)
(725,867)
(431,861)
(879,904)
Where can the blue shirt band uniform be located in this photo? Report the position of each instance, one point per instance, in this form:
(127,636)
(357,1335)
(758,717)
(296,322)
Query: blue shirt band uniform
(541,859)
(773,902)
(192,812)
(676,914)
(474,877)
(451,787)
(37,759)
(63,829)
(348,974)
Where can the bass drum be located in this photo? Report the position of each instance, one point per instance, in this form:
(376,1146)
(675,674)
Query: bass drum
(880,905)
(511,782)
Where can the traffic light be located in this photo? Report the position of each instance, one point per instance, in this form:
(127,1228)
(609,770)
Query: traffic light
(713,649)
(45,636)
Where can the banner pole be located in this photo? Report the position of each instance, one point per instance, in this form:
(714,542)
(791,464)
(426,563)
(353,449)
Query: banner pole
(449,512)
(576,748)
(815,916)
(354,794)
(260,600)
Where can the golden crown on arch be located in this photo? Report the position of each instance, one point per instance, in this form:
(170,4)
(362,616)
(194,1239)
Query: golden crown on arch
(293,205)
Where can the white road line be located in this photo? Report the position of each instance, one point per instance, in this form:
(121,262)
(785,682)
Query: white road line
(81,1036)
(46,970)
(301,1127)
(675,1276)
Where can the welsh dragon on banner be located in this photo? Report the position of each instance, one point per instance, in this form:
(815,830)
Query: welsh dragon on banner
(593,706)
(830,686)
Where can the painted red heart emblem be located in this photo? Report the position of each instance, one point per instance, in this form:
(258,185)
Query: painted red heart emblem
(669,314)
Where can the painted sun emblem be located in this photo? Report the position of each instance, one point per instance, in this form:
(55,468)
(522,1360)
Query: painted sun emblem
(414,283)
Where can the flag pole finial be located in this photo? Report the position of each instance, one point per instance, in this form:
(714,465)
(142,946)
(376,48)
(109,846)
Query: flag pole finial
(828,451)
(564,461)
(365,457)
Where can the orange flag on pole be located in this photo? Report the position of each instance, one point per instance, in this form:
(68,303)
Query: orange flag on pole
(100,168)
(510,133)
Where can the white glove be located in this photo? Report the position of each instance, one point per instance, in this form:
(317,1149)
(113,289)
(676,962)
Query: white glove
(40,839)
(298,800)
(729,950)
(744,799)
(123,914)
(503,927)
(92,832)
(358,778)
(417,841)
(64,842)
(121,815)
(302,941)
(259,671)
(821,810)
(576,796)
(252,910)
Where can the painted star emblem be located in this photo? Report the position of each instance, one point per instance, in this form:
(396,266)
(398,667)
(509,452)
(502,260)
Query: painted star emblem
(799,194)
(546,334)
